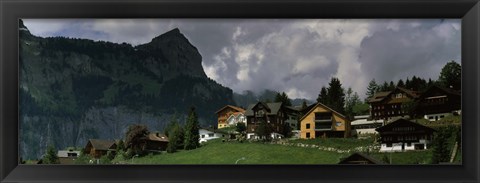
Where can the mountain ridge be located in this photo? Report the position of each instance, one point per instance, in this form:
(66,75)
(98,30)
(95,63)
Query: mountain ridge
(72,90)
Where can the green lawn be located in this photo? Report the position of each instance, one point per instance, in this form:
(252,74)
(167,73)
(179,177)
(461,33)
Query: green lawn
(218,152)
(337,143)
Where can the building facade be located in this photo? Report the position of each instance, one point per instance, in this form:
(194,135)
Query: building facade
(321,121)
(392,104)
(225,113)
(269,116)
(438,102)
(404,135)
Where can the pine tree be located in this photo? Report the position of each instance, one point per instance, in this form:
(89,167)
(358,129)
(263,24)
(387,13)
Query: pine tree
(286,101)
(400,83)
(51,156)
(336,96)
(372,88)
(304,104)
(440,147)
(192,135)
(322,97)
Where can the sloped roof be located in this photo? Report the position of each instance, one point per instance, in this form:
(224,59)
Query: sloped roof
(379,96)
(238,109)
(446,90)
(274,108)
(403,122)
(324,106)
(100,144)
(357,157)
(157,137)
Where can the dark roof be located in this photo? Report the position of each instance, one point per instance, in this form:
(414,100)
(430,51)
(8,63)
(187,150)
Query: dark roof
(99,144)
(272,108)
(446,90)
(359,158)
(323,105)
(403,122)
(379,96)
(239,109)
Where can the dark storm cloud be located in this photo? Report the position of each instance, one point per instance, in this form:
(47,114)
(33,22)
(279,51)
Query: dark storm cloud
(295,56)
(418,48)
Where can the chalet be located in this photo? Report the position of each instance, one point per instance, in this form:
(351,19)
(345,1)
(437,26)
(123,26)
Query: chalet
(322,121)
(67,157)
(392,104)
(273,114)
(154,142)
(237,117)
(359,158)
(225,113)
(98,148)
(437,102)
(207,134)
(402,135)
(362,125)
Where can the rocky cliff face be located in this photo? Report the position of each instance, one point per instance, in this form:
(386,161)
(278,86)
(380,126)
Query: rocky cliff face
(72,90)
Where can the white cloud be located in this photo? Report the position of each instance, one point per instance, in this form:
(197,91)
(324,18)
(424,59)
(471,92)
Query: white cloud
(295,56)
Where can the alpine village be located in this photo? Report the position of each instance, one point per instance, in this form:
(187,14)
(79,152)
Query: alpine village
(409,121)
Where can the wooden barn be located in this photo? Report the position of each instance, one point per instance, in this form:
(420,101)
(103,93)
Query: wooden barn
(98,147)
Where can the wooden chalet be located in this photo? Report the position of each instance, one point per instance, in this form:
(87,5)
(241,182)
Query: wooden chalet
(154,142)
(402,135)
(437,102)
(225,112)
(359,158)
(274,114)
(322,121)
(387,105)
(98,148)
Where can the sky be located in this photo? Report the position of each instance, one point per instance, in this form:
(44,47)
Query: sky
(295,56)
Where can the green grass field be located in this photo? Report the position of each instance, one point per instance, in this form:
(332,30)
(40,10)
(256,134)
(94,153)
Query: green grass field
(217,152)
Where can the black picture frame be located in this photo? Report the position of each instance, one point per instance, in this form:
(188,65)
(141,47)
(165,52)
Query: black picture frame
(12,11)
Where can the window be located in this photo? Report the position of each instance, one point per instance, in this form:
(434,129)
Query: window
(210,135)
(323,116)
(203,136)
(339,123)
(389,144)
(308,135)
(308,126)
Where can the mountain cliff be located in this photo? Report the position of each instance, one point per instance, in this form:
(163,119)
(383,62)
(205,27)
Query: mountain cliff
(72,90)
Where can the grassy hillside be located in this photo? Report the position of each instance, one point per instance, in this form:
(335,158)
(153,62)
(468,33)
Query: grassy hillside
(217,152)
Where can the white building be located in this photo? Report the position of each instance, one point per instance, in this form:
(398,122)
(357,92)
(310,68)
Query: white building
(209,134)
(361,125)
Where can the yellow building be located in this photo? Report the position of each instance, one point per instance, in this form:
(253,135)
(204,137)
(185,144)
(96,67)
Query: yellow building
(322,121)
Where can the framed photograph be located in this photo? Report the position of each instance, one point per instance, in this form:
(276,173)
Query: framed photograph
(273,91)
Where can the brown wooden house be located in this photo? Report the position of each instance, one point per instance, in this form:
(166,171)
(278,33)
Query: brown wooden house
(402,135)
(437,102)
(225,112)
(98,148)
(396,103)
(155,142)
(274,114)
